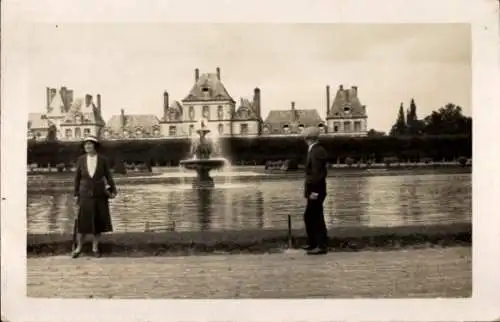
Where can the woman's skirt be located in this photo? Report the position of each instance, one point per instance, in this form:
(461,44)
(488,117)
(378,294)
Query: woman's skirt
(94,216)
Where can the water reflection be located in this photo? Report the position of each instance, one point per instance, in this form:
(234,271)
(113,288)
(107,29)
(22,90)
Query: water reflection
(371,201)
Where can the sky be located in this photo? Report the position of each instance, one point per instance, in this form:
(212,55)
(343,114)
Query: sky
(132,64)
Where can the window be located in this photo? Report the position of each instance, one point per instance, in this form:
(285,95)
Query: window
(206,112)
(265,130)
(301,128)
(191,130)
(78,119)
(172,130)
(138,132)
(68,133)
(321,128)
(191,113)
(347,108)
(347,126)
(357,126)
(221,128)
(243,128)
(336,127)
(156,132)
(78,133)
(286,129)
(125,133)
(244,114)
(86,132)
(220,113)
(106,133)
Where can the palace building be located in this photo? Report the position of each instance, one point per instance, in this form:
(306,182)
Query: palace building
(344,117)
(208,99)
(66,117)
(69,118)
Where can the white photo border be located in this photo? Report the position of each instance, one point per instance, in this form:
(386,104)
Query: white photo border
(481,14)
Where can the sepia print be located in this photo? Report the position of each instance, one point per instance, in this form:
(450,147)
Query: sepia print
(228,155)
(226,186)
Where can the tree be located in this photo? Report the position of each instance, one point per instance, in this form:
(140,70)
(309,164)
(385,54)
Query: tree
(448,120)
(413,124)
(399,128)
(373,132)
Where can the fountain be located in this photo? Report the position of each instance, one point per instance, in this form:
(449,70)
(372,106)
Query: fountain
(202,161)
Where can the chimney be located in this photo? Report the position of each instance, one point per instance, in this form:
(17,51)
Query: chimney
(98,97)
(256,101)
(122,118)
(354,91)
(364,109)
(341,87)
(165,105)
(293,106)
(218,73)
(327,100)
(69,94)
(64,95)
(196,74)
(49,98)
(88,100)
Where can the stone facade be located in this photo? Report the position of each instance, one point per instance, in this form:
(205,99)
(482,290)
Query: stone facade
(71,119)
(66,118)
(346,116)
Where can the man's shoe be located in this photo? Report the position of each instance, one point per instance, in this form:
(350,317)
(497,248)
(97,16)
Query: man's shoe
(307,247)
(317,251)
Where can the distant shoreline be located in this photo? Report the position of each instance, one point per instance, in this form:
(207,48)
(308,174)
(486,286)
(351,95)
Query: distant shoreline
(64,180)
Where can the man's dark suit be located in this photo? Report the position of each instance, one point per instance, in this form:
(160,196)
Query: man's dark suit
(315,182)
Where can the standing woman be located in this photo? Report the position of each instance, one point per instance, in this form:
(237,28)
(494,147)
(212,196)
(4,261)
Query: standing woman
(94,186)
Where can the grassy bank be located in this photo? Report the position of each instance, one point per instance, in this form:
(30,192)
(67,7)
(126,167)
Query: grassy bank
(257,241)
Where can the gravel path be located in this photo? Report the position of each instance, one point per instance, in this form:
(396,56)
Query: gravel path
(433,272)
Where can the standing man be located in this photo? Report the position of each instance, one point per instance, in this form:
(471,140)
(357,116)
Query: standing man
(315,193)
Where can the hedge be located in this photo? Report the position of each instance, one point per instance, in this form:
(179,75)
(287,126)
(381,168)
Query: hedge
(262,149)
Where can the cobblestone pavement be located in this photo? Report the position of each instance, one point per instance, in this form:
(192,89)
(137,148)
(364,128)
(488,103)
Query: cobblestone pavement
(436,272)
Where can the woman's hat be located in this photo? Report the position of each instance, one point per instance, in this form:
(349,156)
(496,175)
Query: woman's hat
(91,138)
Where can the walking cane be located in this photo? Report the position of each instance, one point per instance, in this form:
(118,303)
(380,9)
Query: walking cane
(75,225)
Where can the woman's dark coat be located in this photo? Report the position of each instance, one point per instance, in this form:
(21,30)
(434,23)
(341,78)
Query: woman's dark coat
(94,215)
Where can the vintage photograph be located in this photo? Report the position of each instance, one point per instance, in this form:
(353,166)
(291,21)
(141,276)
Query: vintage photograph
(222,161)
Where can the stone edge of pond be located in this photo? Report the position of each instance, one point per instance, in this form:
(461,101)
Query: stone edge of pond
(343,239)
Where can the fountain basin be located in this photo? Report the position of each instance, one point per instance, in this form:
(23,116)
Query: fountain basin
(203,167)
(209,164)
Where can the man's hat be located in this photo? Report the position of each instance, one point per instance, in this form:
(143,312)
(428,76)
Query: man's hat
(311,133)
(91,138)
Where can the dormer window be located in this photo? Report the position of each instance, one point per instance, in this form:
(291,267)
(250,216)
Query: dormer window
(301,128)
(347,108)
(78,119)
(286,129)
(265,129)
(205,89)
(106,133)
(138,131)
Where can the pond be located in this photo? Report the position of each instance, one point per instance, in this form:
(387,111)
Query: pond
(265,203)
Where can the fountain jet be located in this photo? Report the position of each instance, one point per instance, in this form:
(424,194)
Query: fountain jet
(202,161)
